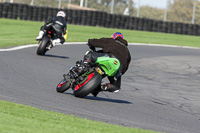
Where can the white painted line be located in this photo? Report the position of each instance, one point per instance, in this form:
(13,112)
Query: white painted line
(72,43)
(34,45)
(163,45)
(19,47)
(144,44)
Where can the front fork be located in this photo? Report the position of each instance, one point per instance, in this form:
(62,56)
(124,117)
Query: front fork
(75,77)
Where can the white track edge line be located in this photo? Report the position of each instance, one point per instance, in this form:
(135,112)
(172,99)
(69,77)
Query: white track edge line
(72,43)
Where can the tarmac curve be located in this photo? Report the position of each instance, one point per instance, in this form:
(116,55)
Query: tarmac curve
(160,91)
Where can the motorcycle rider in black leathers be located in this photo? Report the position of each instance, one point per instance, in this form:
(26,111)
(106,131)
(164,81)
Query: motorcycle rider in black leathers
(59,25)
(114,47)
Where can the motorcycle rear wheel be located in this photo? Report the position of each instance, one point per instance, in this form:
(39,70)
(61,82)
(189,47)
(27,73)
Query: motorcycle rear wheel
(63,86)
(93,80)
(42,46)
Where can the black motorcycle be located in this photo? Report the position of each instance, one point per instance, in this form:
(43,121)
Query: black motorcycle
(45,43)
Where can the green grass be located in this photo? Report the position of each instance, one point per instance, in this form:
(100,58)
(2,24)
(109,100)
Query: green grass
(17,32)
(17,118)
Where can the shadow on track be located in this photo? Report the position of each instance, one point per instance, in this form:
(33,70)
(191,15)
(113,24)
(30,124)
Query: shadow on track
(108,100)
(56,56)
(104,99)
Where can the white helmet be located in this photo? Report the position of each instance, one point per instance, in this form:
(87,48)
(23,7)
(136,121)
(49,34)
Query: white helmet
(61,13)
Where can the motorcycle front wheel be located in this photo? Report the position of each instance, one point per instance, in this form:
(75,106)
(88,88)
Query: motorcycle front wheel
(93,80)
(63,86)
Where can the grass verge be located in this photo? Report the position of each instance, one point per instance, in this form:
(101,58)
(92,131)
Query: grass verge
(17,118)
(18,32)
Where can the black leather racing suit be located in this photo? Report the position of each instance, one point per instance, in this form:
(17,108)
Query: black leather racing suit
(115,48)
(59,26)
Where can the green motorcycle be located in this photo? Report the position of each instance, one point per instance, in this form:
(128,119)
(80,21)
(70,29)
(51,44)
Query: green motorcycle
(90,78)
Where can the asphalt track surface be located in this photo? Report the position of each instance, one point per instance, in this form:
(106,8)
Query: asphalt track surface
(160,91)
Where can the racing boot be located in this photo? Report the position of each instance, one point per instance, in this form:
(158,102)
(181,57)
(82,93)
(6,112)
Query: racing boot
(109,87)
(56,42)
(40,35)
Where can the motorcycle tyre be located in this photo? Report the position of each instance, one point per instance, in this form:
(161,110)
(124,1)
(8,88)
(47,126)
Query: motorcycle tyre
(66,85)
(87,88)
(43,44)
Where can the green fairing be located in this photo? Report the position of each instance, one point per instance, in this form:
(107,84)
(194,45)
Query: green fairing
(109,65)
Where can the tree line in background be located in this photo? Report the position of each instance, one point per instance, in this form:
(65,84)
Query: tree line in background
(178,10)
(96,18)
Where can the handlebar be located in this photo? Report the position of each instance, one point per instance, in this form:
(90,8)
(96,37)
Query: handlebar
(94,49)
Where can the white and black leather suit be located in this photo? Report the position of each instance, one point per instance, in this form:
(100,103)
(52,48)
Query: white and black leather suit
(59,26)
